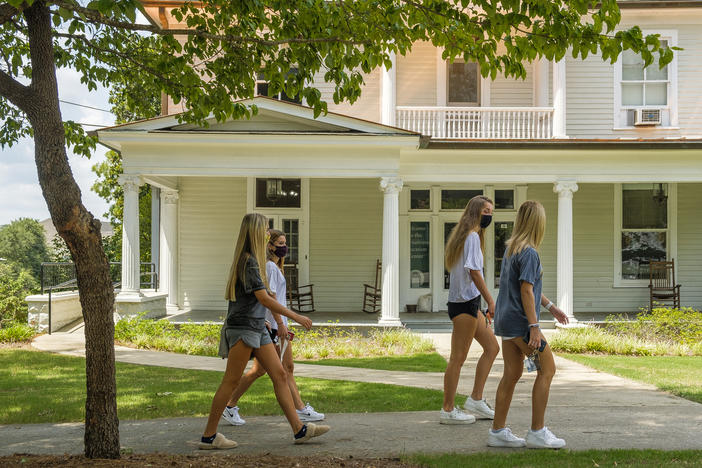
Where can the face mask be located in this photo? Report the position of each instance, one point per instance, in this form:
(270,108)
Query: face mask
(485,221)
(280,251)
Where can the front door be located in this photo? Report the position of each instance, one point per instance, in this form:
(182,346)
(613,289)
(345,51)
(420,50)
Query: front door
(290,225)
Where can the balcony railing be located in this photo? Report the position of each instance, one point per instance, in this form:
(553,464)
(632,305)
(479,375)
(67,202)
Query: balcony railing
(484,123)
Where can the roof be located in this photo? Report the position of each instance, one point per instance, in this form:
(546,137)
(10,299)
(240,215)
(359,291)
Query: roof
(570,143)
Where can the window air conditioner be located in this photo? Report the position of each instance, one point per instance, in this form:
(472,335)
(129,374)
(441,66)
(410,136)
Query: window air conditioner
(647,117)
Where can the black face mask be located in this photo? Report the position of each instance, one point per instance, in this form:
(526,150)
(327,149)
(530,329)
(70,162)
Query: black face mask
(485,221)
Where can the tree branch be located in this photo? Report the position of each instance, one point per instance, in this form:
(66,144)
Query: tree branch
(15,92)
(7,12)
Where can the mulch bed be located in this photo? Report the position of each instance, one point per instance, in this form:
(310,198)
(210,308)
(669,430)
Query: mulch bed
(158,460)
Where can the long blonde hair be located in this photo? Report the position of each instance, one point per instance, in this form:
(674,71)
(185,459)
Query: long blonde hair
(275,234)
(529,228)
(470,221)
(251,242)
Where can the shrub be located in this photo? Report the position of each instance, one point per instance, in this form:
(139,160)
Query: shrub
(662,325)
(16,333)
(15,285)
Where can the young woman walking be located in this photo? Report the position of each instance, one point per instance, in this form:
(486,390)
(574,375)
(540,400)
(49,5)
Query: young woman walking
(464,261)
(277,250)
(244,334)
(517,322)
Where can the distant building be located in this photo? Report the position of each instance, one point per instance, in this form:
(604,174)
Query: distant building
(107,229)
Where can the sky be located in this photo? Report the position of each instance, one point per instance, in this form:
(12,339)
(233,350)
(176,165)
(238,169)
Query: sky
(20,194)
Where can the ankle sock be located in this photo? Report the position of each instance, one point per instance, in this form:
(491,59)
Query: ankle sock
(497,431)
(209,440)
(302,432)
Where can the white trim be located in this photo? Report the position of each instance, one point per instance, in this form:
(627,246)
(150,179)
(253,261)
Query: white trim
(671,240)
(671,35)
(442,83)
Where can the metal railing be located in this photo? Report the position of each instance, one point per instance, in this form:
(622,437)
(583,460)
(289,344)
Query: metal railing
(484,123)
(61,277)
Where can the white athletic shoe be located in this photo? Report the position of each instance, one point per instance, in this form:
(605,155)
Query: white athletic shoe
(543,438)
(455,416)
(504,438)
(308,414)
(479,408)
(231,415)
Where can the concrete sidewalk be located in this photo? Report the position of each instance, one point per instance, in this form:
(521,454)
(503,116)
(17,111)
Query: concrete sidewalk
(589,409)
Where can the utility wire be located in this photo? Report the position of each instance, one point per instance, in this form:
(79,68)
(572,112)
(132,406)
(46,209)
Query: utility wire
(83,105)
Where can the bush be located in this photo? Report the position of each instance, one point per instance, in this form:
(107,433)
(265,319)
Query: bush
(16,333)
(15,285)
(668,325)
(162,335)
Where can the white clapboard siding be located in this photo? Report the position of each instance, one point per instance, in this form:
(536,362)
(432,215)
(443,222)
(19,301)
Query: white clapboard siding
(346,218)
(416,76)
(211,209)
(366,107)
(513,92)
(543,193)
(689,261)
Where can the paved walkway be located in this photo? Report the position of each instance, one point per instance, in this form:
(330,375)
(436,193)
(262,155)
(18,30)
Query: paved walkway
(589,409)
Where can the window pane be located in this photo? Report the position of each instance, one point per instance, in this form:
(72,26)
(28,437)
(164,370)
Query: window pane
(419,254)
(632,94)
(262,89)
(278,193)
(632,66)
(653,72)
(457,199)
(463,83)
(504,199)
(656,94)
(638,250)
(291,228)
(644,206)
(503,230)
(420,200)
(447,232)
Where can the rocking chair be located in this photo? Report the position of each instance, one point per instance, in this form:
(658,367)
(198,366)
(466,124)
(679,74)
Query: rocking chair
(372,293)
(662,285)
(300,298)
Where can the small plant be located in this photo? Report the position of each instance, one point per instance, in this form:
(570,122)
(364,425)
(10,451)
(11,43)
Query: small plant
(16,333)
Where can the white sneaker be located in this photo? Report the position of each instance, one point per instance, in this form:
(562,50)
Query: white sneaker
(504,438)
(231,415)
(308,414)
(543,438)
(479,408)
(455,416)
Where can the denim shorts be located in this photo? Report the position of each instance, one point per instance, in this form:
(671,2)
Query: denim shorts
(251,338)
(470,307)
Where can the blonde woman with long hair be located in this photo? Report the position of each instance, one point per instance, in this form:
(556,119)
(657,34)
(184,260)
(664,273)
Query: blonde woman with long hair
(244,334)
(464,261)
(517,322)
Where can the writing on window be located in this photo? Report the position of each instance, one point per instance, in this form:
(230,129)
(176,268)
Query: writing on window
(644,228)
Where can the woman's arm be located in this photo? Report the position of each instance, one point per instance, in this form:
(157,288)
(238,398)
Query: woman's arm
(277,308)
(528,303)
(557,313)
(479,282)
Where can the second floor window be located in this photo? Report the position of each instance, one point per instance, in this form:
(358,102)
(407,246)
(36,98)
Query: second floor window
(262,89)
(463,84)
(644,86)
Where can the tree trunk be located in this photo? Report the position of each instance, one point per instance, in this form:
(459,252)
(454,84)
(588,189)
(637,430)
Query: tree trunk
(81,232)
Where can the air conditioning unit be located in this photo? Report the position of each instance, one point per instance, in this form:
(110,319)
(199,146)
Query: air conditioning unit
(647,117)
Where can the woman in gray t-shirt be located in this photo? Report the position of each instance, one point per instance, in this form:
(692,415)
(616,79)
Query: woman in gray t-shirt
(517,322)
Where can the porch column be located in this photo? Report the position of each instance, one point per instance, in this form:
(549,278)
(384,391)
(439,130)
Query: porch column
(389,93)
(390,306)
(130,236)
(168,235)
(564,268)
(559,99)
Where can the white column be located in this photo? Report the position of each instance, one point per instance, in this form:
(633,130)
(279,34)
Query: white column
(130,236)
(564,269)
(389,93)
(168,235)
(541,83)
(559,99)
(155,222)
(390,308)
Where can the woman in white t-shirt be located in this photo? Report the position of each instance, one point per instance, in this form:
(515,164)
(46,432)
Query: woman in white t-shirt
(277,250)
(463,258)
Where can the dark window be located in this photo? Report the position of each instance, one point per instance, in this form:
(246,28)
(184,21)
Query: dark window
(504,199)
(278,193)
(420,200)
(262,89)
(457,199)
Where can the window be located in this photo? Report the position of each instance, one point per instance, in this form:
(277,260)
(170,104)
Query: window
(419,254)
(645,233)
(262,89)
(463,84)
(278,193)
(420,199)
(457,199)
(504,199)
(643,86)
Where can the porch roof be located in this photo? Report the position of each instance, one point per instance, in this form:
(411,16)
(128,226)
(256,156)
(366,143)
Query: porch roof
(570,144)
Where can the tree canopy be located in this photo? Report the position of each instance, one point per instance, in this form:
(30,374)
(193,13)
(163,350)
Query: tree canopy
(22,243)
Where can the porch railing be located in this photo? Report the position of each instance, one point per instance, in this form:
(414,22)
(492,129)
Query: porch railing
(484,123)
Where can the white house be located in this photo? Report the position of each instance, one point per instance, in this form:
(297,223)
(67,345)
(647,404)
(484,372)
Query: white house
(614,152)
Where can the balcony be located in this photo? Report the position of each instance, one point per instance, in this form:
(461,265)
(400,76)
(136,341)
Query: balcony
(478,123)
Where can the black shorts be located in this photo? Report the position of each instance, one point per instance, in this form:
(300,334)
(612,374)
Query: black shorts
(471,308)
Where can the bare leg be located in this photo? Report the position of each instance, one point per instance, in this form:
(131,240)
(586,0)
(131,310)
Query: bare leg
(270,361)
(513,366)
(486,338)
(461,337)
(542,385)
(236,363)
(245,382)
(289,367)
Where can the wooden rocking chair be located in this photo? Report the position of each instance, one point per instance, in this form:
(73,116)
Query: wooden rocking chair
(300,298)
(372,294)
(662,285)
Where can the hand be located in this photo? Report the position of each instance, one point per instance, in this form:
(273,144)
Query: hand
(535,338)
(282,331)
(304,321)
(559,315)
(490,313)
(268,325)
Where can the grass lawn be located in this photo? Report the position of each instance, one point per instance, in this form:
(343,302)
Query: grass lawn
(424,362)
(42,387)
(564,458)
(680,375)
